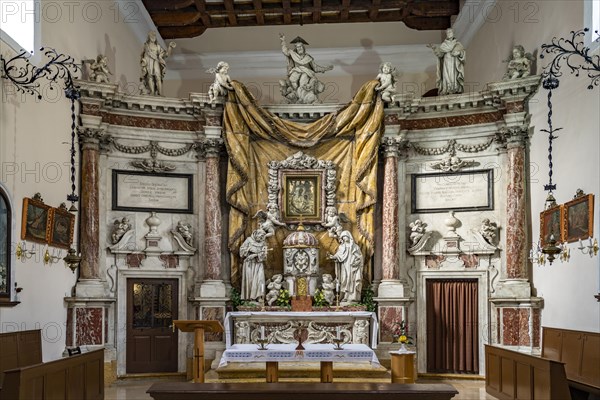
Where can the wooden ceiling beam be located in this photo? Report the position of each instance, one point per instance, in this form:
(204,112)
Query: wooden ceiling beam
(260,16)
(287,12)
(231,12)
(166,5)
(181,18)
(201,7)
(374,10)
(345,10)
(316,13)
(179,32)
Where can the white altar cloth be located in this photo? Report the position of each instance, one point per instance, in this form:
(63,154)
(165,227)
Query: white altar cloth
(331,316)
(288,353)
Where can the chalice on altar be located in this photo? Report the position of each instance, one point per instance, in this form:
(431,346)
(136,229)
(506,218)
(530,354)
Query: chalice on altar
(337,343)
(262,343)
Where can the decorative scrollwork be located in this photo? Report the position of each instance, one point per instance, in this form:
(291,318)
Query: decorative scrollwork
(25,76)
(571,52)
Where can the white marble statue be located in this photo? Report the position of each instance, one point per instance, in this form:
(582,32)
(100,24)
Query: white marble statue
(273,286)
(99,71)
(519,66)
(185,230)
(488,230)
(242,332)
(349,266)
(361,332)
(119,228)
(451,65)
(222,81)
(387,81)
(301,85)
(269,219)
(332,222)
(328,289)
(417,230)
(254,253)
(153,65)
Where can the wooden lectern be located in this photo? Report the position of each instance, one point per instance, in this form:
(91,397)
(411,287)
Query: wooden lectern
(198,327)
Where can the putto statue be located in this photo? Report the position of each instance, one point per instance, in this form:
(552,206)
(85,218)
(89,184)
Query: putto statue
(451,65)
(519,66)
(387,81)
(119,229)
(99,69)
(153,65)
(269,219)
(348,268)
(254,253)
(417,230)
(328,289)
(273,286)
(222,81)
(301,85)
(332,222)
(488,230)
(185,230)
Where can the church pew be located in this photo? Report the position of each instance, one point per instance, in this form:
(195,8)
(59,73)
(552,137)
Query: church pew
(511,374)
(80,377)
(19,349)
(300,391)
(580,351)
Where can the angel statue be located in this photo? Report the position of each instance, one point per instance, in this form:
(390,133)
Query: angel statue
(333,221)
(222,81)
(519,66)
(387,81)
(273,286)
(99,69)
(269,219)
(417,229)
(488,230)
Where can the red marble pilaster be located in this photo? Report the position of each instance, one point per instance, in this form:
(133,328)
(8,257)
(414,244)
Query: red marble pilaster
(89,326)
(213,314)
(89,238)
(389,318)
(212,212)
(516,210)
(389,258)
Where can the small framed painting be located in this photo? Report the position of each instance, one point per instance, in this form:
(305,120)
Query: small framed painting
(578,218)
(301,196)
(551,224)
(61,228)
(35,223)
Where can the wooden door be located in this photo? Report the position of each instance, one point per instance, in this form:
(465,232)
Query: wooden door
(151,308)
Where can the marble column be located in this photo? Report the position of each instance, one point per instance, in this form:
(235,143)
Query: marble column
(516,207)
(89,284)
(389,263)
(212,211)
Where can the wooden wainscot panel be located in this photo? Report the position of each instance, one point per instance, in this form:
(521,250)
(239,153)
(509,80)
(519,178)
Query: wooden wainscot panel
(523,376)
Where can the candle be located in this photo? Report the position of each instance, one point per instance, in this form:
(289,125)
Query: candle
(337,286)
(580,244)
(337,331)
(262,288)
(262,332)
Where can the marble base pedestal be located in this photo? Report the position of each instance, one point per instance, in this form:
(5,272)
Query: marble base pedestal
(89,288)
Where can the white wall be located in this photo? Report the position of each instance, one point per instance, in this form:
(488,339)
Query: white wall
(34,152)
(568,288)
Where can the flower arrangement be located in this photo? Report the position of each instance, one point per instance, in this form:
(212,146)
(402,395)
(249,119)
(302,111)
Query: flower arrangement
(283,300)
(319,299)
(400,332)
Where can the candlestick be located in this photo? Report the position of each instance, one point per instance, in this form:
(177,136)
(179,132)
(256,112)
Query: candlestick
(337,331)
(262,332)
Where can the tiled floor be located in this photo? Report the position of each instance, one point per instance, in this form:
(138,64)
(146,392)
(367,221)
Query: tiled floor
(136,389)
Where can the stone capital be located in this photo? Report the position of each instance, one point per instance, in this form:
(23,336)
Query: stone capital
(209,147)
(515,136)
(393,146)
(89,138)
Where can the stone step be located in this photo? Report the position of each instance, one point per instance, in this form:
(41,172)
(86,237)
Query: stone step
(300,370)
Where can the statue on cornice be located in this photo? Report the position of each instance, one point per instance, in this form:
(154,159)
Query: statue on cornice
(153,65)
(451,65)
(301,85)
(387,81)
(99,69)
(222,81)
(519,66)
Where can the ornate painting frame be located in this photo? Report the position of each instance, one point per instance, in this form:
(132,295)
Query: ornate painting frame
(578,218)
(62,226)
(551,221)
(302,196)
(35,222)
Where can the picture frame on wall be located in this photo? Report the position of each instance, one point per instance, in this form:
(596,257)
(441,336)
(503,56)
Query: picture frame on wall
(62,225)
(302,196)
(578,218)
(551,223)
(35,222)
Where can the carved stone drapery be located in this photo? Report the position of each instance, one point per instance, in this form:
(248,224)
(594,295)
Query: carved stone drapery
(89,140)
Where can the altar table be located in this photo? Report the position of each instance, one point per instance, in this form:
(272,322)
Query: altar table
(275,353)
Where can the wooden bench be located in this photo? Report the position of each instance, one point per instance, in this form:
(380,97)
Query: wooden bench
(300,391)
(23,375)
(569,367)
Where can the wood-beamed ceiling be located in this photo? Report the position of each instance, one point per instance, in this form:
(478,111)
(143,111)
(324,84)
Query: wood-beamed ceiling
(188,18)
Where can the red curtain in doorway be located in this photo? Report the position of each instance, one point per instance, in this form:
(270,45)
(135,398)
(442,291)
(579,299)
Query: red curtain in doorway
(452,326)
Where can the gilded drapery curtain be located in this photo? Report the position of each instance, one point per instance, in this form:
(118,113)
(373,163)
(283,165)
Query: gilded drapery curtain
(254,136)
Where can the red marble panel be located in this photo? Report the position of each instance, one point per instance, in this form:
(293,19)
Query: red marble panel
(90,109)
(434,261)
(216,314)
(88,328)
(537,323)
(391,119)
(151,123)
(516,245)
(389,262)
(389,317)
(514,107)
(134,260)
(169,260)
(90,215)
(213,120)
(510,326)
(212,220)
(69,335)
(515,329)
(470,260)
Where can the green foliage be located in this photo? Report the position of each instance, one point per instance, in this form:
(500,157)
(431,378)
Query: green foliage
(236,299)
(367,299)
(319,299)
(283,300)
